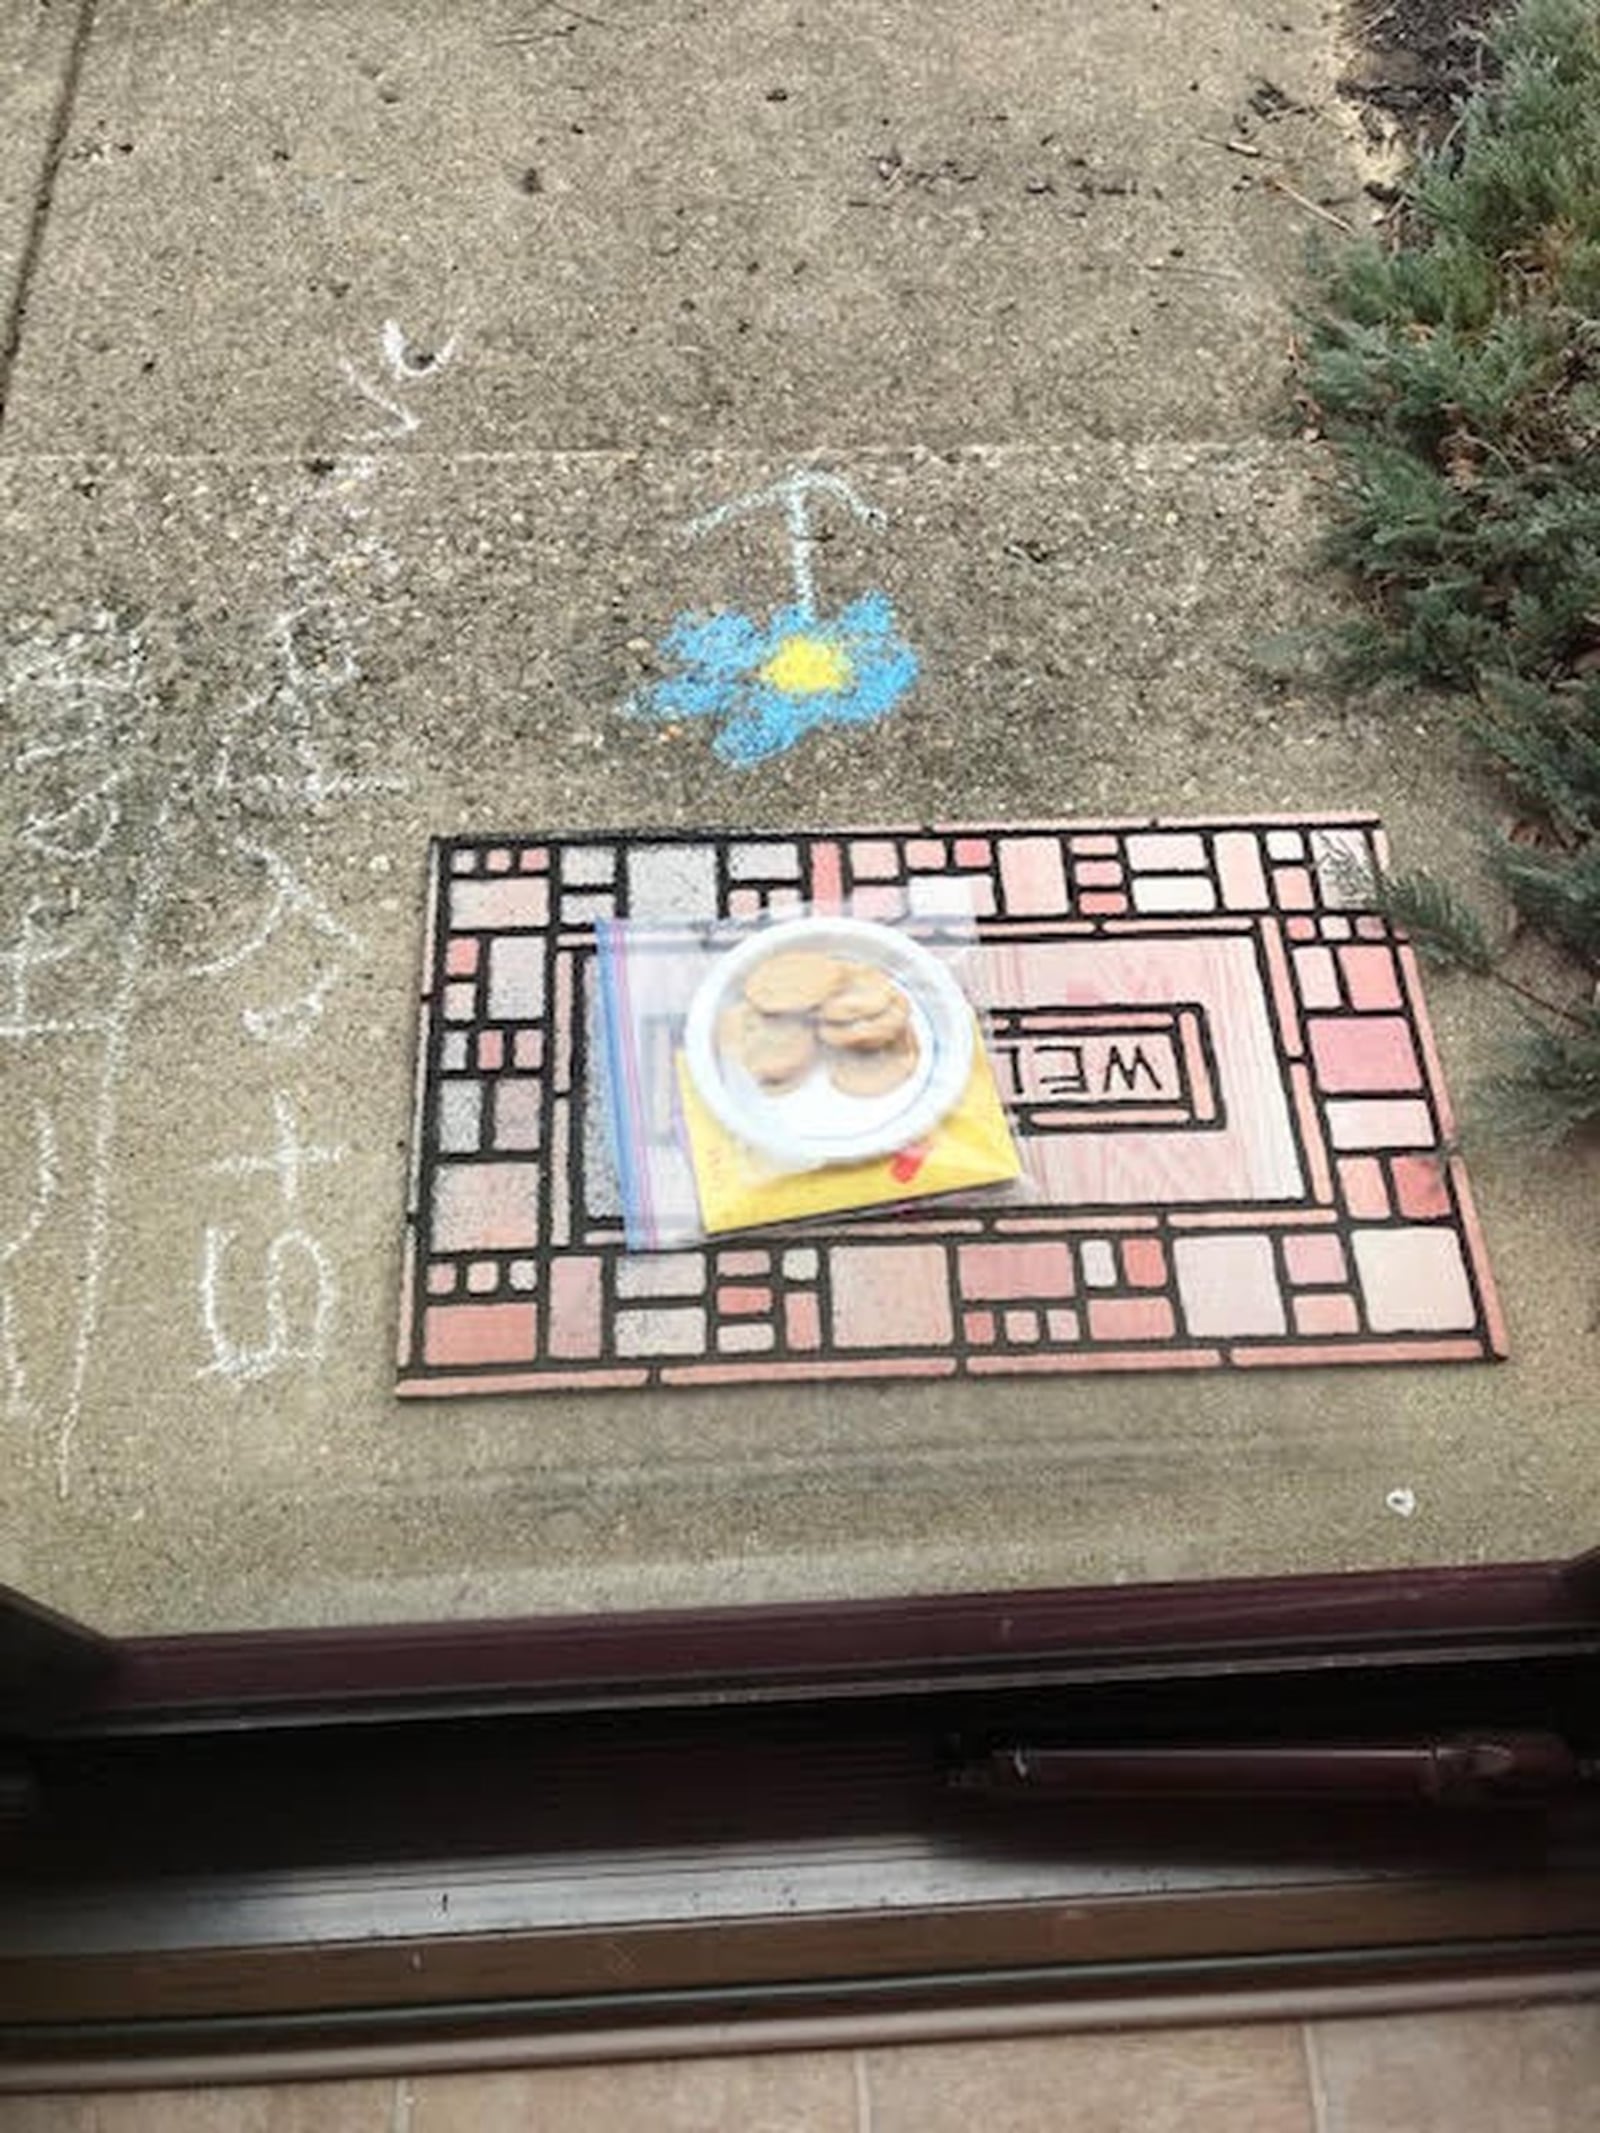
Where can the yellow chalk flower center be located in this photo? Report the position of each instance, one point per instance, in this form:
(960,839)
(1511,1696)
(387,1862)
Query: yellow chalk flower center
(806,666)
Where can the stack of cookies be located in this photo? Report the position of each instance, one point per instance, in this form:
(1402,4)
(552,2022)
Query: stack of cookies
(799,1008)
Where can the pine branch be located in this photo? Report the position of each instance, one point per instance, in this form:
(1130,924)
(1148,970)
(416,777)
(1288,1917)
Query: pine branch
(1444,929)
(1559,892)
(1555,1085)
(1548,745)
(1447,932)
(1457,378)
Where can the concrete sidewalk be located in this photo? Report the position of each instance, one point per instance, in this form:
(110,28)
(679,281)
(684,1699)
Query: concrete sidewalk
(372,359)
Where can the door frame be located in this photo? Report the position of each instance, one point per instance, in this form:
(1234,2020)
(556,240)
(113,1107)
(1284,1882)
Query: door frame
(239,1720)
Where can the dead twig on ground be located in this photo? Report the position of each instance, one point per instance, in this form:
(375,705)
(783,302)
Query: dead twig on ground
(533,36)
(1181,266)
(1234,147)
(1323,214)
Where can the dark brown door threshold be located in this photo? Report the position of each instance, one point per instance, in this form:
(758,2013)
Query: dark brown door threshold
(547,1837)
(862,1648)
(485,2000)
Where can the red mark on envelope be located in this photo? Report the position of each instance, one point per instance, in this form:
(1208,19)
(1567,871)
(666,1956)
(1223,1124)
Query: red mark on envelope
(904,1166)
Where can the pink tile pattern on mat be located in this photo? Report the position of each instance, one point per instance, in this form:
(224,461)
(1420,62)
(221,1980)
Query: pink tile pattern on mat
(1322,1311)
(1370,1053)
(1228,1284)
(889,1296)
(1420,1188)
(1314,1258)
(1227,1099)
(1014,1270)
(1370,978)
(1033,877)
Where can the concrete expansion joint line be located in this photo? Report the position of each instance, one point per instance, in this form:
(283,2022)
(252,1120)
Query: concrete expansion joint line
(44,193)
(980,453)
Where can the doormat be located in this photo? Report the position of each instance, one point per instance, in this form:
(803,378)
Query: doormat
(1220,1072)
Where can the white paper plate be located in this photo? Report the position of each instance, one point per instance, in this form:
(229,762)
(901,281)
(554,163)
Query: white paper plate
(815,1123)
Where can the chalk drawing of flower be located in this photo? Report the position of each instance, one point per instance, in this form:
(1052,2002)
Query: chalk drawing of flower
(770,685)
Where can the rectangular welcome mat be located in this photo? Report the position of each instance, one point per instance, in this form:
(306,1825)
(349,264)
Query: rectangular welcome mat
(1222,1080)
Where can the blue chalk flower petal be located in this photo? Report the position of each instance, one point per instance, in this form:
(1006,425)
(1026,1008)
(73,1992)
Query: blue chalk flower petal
(720,658)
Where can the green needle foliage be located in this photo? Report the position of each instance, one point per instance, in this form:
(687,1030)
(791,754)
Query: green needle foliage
(1444,930)
(1457,375)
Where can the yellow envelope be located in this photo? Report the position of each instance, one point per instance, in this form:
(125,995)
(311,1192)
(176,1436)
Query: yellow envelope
(970,1147)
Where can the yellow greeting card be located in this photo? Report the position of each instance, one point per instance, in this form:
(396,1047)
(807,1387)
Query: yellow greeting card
(740,1189)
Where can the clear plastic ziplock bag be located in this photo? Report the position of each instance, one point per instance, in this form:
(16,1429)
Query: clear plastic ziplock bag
(771,1071)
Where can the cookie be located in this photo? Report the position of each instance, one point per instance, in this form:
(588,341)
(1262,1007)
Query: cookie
(873,1073)
(793,983)
(872,1033)
(732,1023)
(777,1051)
(860,994)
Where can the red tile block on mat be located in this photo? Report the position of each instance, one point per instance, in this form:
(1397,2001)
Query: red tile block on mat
(1419,1187)
(1371,977)
(1333,1313)
(1363,1054)
(1361,1182)
(1130,1318)
(802,1321)
(735,1302)
(480,1333)
(1005,1271)
(1315,1258)
(1144,1263)
(574,1319)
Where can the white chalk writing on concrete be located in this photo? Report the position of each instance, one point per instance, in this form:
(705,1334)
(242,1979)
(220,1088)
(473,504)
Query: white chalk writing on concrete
(83,697)
(297,1318)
